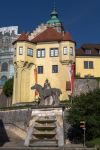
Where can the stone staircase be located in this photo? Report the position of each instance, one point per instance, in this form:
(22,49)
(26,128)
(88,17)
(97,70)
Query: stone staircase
(44,132)
(45,128)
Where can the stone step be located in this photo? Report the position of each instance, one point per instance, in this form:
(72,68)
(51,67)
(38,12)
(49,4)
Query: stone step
(43,143)
(44,148)
(45,127)
(45,120)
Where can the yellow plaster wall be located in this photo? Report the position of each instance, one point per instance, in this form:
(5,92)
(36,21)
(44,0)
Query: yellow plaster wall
(68,45)
(80,66)
(25,78)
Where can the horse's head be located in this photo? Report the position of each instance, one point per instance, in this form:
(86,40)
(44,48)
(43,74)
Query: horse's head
(36,86)
(33,87)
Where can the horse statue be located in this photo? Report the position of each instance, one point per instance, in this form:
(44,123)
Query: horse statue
(47,95)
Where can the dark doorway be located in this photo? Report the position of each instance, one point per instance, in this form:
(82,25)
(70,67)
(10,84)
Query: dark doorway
(3,135)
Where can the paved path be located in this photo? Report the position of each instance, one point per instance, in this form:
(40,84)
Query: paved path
(44,148)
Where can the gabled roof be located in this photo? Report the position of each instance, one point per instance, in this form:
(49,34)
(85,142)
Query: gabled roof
(67,37)
(22,37)
(50,35)
(93,47)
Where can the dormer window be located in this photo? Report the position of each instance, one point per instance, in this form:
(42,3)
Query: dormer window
(88,51)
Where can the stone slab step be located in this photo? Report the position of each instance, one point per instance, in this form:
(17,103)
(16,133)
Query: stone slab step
(43,143)
(42,148)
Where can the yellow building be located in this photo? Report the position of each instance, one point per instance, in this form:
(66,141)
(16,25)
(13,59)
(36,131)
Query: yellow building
(88,60)
(49,52)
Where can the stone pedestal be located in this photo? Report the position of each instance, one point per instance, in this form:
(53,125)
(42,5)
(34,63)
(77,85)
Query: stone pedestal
(46,127)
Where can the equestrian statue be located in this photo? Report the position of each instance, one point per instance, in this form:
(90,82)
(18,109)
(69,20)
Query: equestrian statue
(47,96)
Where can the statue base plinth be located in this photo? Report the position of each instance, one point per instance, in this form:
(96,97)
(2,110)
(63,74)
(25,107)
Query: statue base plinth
(46,125)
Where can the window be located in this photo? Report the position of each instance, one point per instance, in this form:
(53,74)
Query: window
(20,50)
(54,52)
(3,80)
(65,50)
(54,68)
(99,52)
(4,67)
(11,70)
(71,50)
(40,53)
(88,64)
(68,86)
(40,69)
(87,51)
(29,52)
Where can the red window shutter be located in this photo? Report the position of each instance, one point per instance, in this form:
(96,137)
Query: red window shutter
(68,86)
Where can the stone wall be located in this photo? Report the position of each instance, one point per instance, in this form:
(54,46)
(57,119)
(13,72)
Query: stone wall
(85,85)
(14,125)
(19,118)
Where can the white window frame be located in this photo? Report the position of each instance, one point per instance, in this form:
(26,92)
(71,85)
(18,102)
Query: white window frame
(43,52)
(65,50)
(54,52)
(88,65)
(88,51)
(51,52)
(71,51)
(40,53)
(29,52)
(20,50)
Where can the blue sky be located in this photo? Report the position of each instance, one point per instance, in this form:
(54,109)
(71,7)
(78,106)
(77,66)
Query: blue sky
(80,17)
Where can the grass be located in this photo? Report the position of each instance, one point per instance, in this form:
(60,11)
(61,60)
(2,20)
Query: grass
(94,143)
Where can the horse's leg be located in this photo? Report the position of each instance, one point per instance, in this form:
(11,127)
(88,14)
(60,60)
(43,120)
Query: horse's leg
(51,102)
(46,101)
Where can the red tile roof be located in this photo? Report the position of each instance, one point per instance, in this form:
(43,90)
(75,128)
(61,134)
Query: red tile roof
(47,36)
(50,35)
(67,37)
(93,47)
(23,37)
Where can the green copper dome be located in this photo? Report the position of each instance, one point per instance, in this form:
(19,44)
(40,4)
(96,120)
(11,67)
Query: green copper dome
(54,18)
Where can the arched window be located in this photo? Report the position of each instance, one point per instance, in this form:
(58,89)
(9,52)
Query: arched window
(4,67)
(11,70)
(3,80)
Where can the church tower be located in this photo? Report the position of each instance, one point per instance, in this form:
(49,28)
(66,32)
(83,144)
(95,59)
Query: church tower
(55,22)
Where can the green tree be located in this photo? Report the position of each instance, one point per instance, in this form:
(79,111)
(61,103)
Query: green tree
(8,87)
(85,107)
